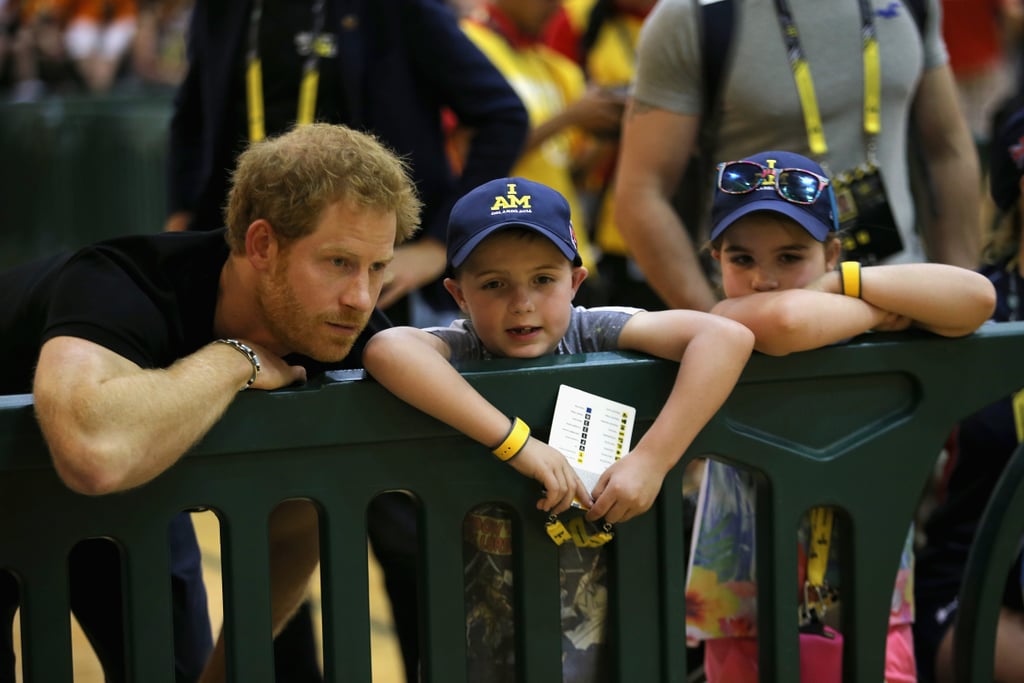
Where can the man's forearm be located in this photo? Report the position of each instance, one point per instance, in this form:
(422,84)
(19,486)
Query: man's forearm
(663,250)
(953,233)
(112,426)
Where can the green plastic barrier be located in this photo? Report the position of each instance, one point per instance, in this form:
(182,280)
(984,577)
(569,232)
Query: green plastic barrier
(995,547)
(857,426)
(79,169)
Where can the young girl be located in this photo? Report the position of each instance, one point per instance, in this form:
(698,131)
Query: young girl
(775,236)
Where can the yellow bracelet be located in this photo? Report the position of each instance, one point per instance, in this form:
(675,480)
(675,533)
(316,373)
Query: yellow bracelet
(514,441)
(849,272)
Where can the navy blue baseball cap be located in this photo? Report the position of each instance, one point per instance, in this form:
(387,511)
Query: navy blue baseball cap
(819,218)
(506,203)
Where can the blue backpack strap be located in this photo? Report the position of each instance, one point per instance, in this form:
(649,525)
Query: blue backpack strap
(716,25)
(919,10)
(718,19)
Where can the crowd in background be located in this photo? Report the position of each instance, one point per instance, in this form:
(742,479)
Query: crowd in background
(61,47)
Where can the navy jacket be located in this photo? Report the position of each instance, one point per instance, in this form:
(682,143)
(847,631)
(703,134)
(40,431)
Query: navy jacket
(401,62)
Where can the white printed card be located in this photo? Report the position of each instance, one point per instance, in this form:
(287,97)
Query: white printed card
(591,431)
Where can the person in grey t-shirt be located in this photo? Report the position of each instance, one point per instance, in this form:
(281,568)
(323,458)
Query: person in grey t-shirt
(515,269)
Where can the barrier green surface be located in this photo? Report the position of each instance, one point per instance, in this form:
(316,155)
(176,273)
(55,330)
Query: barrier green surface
(993,552)
(79,169)
(857,426)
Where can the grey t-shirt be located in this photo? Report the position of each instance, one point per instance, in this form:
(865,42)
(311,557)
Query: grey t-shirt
(760,107)
(590,329)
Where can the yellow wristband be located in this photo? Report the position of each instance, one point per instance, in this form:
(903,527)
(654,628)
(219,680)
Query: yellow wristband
(514,441)
(849,273)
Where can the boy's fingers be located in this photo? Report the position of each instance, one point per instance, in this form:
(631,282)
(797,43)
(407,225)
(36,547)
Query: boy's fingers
(602,483)
(552,491)
(598,509)
(564,503)
(582,494)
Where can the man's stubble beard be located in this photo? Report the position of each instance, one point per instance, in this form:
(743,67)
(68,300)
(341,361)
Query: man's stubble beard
(292,325)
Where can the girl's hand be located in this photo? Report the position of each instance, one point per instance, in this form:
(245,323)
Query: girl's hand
(893,322)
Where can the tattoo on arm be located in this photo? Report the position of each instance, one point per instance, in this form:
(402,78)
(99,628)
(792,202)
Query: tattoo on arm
(640,108)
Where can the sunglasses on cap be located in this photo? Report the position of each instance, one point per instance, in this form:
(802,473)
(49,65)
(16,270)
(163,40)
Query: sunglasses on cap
(795,185)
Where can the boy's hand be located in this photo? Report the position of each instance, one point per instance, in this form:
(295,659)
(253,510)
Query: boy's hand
(547,465)
(625,490)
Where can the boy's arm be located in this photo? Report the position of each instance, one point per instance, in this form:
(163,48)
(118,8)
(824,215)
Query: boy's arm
(413,365)
(943,299)
(712,353)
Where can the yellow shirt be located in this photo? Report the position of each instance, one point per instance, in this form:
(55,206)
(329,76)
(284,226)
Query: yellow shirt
(611,64)
(546,82)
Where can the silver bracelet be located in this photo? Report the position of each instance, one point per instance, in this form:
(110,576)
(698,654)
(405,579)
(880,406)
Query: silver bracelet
(246,351)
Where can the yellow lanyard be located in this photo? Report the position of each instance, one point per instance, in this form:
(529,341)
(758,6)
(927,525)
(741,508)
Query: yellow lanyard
(578,531)
(821,536)
(805,84)
(818,596)
(254,74)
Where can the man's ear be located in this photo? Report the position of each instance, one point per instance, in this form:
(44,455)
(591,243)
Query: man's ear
(455,289)
(261,244)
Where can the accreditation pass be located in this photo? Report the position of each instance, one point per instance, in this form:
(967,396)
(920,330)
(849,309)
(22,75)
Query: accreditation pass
(591,431)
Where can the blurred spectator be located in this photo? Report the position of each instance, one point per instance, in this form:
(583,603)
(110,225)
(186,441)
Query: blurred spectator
(64,45)
(158,52)
(553,88)
(980,37)
(39,59)
(463,8)
(8,22)
(601,35)
(98,36)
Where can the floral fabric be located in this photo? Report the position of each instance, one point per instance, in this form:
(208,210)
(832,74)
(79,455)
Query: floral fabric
(721,584)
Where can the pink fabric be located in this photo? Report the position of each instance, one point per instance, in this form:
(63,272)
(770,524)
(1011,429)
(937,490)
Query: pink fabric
(821,658)
(900,665)
(730,660)
(734,660)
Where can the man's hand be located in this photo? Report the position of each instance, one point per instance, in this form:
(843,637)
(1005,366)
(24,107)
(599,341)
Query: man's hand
(415,264)
(547,465)
(178,221)
(598,112)
(274,372)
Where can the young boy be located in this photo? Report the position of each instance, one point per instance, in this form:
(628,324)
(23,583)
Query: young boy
(515,269)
